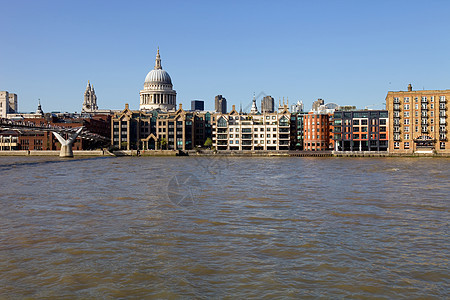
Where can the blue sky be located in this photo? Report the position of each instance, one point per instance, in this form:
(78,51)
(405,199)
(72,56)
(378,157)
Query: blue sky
(348,52)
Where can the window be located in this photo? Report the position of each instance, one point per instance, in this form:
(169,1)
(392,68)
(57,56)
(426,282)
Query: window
(406,136)
(406,114)
(231,142)
(231,135)
(407,129)
(396,145)
(406,106)
(416,106)
(382,121)
(355,122)
(406,145)
(406,121)
(442,145)
(406,99)
(231,129)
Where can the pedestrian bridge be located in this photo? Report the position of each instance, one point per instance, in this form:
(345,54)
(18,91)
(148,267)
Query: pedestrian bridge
(58,132)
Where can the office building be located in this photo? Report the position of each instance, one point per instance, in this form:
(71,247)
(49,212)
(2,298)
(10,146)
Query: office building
(198,105)
(220,104)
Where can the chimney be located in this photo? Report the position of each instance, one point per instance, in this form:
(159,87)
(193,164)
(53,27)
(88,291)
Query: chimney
(126,105)
(409,87)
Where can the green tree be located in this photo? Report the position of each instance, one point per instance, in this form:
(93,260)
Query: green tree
(208,143)
(163,144)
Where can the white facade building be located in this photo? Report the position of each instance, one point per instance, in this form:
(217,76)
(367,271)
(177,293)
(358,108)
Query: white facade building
(268,131)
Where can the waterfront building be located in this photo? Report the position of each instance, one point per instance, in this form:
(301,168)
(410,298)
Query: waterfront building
(198,105)
(261,131)
(90,99)
(363,130)
(267,105)
(158,93)
(154,130)
(296,131)
(418,121)
(220,104)
(316,131)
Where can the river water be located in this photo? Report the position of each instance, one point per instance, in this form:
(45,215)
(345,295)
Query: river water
(201,227)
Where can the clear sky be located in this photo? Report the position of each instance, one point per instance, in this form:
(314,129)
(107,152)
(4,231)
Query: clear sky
(347,52)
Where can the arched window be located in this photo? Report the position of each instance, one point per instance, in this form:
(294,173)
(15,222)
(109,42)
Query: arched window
(222,122)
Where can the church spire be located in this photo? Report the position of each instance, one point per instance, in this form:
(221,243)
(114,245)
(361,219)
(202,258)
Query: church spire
(158,61)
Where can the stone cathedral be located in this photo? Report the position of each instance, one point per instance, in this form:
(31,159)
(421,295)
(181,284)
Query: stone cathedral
(158,92)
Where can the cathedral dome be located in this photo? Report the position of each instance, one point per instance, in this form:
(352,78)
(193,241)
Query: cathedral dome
(158,90)
(158,76)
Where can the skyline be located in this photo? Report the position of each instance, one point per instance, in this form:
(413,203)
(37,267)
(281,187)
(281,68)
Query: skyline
(349,53)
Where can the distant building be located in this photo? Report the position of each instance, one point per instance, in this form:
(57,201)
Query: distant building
(418,121)
(220,104)
(4,104)
(254,109)
(297,107)
(316,104)
(13,105)
(158,90)
(198,105)
(267,105)
(90,99)
(363,130)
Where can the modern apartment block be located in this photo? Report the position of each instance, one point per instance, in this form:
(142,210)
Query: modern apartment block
(364,130)
(418,121)
(236,131)
(297,130)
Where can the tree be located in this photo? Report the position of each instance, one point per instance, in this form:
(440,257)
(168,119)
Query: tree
(208,143)
(162,144)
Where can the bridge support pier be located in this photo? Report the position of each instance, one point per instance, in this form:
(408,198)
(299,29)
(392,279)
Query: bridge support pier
(66,145)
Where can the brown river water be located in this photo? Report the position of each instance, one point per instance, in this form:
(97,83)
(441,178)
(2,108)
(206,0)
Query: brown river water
(236,228)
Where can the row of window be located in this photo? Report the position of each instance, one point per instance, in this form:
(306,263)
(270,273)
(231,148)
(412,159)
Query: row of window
(406,145)
(416,99)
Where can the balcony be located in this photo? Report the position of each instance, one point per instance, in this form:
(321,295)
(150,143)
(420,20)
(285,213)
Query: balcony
(396,137)
(396,101)
(424,100)
(246,136)
(442,100)
(397,129)
(397,107)
(424,107)
(442,137)
(424,130)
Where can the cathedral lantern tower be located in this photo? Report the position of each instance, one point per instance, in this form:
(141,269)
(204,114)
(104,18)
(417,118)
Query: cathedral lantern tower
(158,91)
